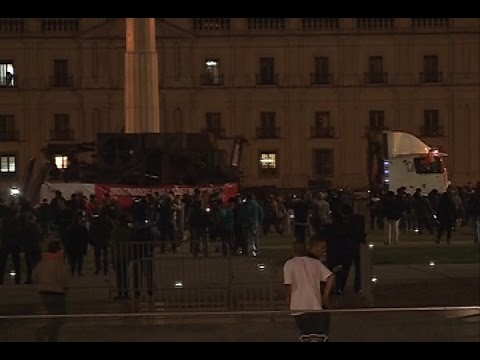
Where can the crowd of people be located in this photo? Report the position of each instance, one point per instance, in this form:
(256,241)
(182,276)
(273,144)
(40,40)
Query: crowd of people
(209,224)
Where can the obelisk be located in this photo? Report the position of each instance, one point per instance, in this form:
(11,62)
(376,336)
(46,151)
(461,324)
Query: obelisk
(142,113)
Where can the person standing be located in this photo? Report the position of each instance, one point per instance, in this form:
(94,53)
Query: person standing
(303,275)
(50,276)
(32,240)
(10,243)
(100,232)
(446,216)
(76,243)
(392,210)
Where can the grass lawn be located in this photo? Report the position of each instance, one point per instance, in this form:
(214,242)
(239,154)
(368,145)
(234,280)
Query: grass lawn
(413,249)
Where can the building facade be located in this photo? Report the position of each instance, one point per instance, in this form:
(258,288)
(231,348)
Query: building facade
(302,91)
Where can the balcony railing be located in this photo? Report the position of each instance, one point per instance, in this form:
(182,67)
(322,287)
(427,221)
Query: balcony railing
(208,79)
(12,25)
(65,81)
(211,24)
(431,77)
(61,135)
(322,132)
(430,22)
(262,79)
(268,133)
(267,23)
(60,25)
(376,77)
(10,135)
(320,23)
(375,23)
(369,129)
(219,133)
(321,78)
(429,131)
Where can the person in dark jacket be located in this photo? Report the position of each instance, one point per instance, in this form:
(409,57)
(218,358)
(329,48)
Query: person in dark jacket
(100,231)
(76,242)
(301,212)
(392,211)
(446,216)
(32,240)
(10,243)
(423,212)
(198,223)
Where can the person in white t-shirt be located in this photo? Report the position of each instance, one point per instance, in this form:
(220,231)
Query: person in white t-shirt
(303,275)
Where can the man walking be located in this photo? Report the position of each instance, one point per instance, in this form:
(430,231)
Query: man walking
(303,275)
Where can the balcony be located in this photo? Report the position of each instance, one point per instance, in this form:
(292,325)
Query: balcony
(320,23)
(263,79)
(431,77)
(375,129)
(60,25)
(321,78)
(376,78)
(267,24)
(12,25)
(209,80)
(65,81)
(322,132)
(268,133)
(218,133)
(375,23)
(429,23)
(429,131)
(10,135)
(211,24)
(61,135)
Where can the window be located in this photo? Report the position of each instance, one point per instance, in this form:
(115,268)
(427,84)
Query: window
(60,73)
(430,119)
(267,71)
(430,69)
(322,119)
(425,165)
(431,123)
(61,127)
(377,120)
(321,74)
(375,74)
(7,74)
(267,127)
(214,123)
(7,128)
(8,164)
(61,161)
(268,163)
(323,162)
(322,127)
(212,72)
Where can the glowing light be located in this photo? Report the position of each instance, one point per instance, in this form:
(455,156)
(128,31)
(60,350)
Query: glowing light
(374,280)
(12,273)
(178,284)
(261,267)
(371,246)
(14,191)
(212,63)
(432,263)
(416,231)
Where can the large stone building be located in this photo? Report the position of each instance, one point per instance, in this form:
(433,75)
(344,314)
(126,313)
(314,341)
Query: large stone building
(303,91)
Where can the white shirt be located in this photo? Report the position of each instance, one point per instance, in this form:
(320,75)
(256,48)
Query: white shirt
(305,274)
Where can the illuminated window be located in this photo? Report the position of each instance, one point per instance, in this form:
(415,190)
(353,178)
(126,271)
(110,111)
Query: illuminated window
(8,164)
(212,72)
(61,161)
(268,163)
(7,74)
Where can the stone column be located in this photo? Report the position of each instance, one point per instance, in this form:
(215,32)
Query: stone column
(141,77)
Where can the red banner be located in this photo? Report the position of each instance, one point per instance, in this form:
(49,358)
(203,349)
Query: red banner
(124,194)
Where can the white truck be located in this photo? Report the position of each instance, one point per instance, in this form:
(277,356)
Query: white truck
(398,159)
